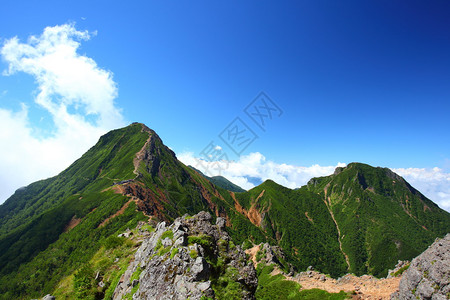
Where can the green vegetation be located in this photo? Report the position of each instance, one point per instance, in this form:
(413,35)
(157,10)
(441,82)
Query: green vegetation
(260,254)
(286,223)
(382,218)
(113,242)
(174,252)
(193,253)
(134,276)
(401,270)
(34,221)
(106,265)
(51,229)
(163,251)
(224,278)
(204,240)
(167,235)
(316,294)
(72,249)
(160,249)
(247,245)
(227,286)
(147,227)
(84,284)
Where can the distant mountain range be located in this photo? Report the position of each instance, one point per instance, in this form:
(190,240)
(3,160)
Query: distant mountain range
(221,181)
(360,220)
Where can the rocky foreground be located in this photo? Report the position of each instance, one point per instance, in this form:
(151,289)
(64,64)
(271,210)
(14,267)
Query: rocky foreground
(192,258)
(428,276)
(184,260)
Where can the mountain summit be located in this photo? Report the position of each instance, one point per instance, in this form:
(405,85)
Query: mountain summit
(380,216)
(361,219)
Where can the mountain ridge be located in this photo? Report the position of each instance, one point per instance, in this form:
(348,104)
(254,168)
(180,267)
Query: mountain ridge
(221,181)
(131,176)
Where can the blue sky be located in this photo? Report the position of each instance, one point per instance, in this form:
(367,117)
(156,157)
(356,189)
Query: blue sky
(356,81)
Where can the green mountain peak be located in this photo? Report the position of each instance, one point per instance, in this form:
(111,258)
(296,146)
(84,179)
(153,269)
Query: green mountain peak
(361,219)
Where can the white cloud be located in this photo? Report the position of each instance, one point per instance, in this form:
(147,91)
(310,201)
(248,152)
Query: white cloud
(433,183)
(72,88)
(257,166)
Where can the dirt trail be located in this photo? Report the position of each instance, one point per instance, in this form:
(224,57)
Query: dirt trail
(339,235)
(328,205)
(72,223)
(365,287)
(141,154)
(119,212)
(252,252)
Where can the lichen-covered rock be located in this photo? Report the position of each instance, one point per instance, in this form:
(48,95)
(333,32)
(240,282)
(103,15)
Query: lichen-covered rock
(189,259)
(399,268)
(428,276)
(269,255)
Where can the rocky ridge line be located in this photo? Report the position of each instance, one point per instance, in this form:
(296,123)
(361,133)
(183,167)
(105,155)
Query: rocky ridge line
(191,258)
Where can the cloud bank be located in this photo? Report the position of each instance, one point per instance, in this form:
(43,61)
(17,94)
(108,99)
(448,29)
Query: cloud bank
(72,89)
(433,183)
(255,165)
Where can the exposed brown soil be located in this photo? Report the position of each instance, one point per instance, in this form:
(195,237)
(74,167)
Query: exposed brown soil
(364,287)
(254,216)
(253,213)
(207,195)
(141,154)
(72,223)
(252,252)
(308,217)
(118,213)
(147,201)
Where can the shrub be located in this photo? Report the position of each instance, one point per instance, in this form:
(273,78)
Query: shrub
(167,234)
(204,240)
(193,254)
(174,252)
(113,242)
(84,283)
(401,270)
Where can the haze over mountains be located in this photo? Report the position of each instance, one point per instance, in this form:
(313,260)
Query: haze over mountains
(361,219)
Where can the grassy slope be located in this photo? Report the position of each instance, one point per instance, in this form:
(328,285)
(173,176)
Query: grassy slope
(381,217)
(113,153)
(364,200)
(48,254)
(40,218)
(276,287)
(305,241)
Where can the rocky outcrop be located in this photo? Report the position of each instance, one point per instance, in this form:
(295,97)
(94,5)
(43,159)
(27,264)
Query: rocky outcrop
(428,276)
(269,255)
(399,269)
(189,259)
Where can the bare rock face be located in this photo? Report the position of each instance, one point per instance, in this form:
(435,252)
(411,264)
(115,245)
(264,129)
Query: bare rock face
(189,259)
(428,276)
(398,269)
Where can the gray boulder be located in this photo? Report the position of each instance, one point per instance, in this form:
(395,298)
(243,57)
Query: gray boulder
(428,276)
(182,260)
